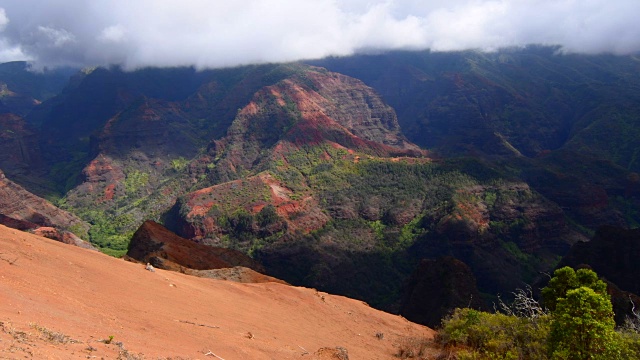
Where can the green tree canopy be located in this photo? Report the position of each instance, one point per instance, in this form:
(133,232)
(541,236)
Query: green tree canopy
(565,279)
(583,327)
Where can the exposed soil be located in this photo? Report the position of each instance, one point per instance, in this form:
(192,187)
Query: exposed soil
(63,302)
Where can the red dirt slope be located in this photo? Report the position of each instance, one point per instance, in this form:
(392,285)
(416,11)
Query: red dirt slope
(59,301)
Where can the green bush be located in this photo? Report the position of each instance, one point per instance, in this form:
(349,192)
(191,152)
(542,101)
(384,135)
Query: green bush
(580,327)
(267,216)
(629,344)
(495,336)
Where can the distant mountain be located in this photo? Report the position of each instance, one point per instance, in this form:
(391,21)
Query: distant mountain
(564,123)
(525,101)
(345,173)
(22,89)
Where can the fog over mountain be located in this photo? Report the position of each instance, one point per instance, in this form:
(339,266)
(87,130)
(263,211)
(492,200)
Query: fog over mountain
(213,33)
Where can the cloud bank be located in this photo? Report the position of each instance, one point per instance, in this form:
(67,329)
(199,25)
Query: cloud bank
(216,33)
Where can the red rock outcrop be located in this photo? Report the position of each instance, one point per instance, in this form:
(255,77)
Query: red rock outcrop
(154,244)
(21,225)
(45,231)
(239,274)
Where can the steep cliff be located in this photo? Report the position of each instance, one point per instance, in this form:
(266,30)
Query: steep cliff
(562,123)
(20,151)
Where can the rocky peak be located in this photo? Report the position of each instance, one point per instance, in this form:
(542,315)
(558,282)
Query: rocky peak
(313,107)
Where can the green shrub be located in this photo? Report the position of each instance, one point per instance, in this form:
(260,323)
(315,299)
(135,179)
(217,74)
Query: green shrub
(628,343)
(495,336)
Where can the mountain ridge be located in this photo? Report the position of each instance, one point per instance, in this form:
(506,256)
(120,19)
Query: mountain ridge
(313,169)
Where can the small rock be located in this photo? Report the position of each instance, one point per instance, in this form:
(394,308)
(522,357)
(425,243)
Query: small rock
(150,268)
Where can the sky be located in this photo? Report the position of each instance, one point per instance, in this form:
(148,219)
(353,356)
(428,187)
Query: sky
(222,33)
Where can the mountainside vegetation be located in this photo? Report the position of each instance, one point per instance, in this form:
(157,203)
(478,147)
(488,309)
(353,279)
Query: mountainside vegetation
(344,173)
(575,322)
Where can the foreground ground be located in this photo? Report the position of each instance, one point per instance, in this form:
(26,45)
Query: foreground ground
(62,302)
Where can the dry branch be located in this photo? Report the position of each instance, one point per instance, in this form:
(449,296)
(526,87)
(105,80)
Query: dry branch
(212,354)
(196,324)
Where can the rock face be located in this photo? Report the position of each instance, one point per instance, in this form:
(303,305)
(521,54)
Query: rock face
(436,288)
(17,224)
(613,253)
(312,107)
(21,210)
(154,244)
(19,204)
(19,147)
(21,154)
(312,110)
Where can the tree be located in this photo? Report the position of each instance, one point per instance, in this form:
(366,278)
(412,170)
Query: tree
(583,327)
(565,279)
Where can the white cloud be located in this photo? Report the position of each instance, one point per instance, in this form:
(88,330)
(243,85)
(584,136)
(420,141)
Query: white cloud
(56,37)
(11,53)
(8,52)
(213,33)
(4,20)
(115,33)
